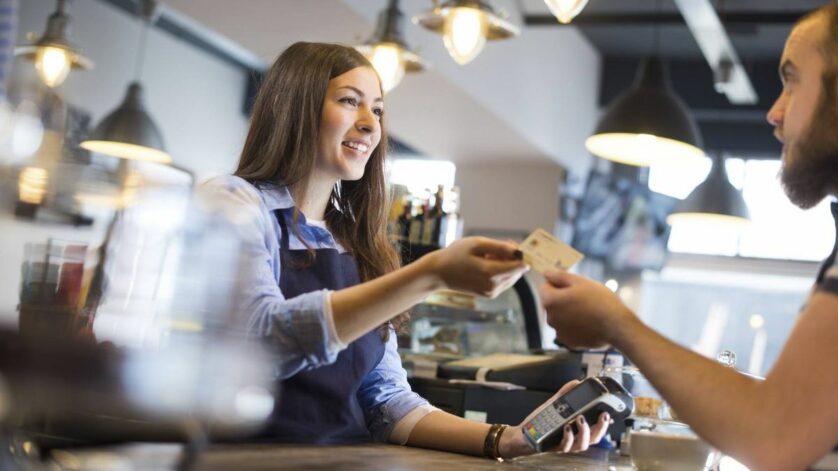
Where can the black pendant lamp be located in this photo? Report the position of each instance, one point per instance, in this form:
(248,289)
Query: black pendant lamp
(647,123)
(715,202)
(53,53)
(388,51)
(129,132)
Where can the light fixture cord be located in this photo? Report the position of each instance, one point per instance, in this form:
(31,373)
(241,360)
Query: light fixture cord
(656,32)
(142,46)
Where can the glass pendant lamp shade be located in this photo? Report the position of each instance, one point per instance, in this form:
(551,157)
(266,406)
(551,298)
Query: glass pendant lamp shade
(53,53)
(465,26)
(388,51)
(647,123)
(714,203)
(464,34)
(388,61)
(128,132)
(565,10)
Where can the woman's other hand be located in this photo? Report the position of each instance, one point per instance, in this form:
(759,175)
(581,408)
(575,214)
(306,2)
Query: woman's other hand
(514,444)
(477,265)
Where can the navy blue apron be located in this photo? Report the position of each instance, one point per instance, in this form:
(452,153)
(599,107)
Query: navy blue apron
(321,405)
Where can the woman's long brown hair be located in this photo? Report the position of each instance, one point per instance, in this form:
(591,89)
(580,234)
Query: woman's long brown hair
(281,147)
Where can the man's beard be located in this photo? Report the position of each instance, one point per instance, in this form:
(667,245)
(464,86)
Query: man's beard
(810,171)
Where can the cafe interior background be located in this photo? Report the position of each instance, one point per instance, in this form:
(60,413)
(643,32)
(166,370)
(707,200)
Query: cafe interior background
(505,132)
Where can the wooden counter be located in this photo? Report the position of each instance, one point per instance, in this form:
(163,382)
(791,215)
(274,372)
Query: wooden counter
(373,457)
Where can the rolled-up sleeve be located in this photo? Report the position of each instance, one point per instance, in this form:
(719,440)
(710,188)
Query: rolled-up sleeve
(296,329)
(385,394)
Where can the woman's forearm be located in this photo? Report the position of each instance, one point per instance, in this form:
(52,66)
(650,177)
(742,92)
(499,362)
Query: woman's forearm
(443,431)
(360,308)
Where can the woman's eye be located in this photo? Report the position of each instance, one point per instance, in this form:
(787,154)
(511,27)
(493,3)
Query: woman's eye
(378,112)
(349,100)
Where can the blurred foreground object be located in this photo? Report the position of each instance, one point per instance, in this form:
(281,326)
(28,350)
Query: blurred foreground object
(118,305)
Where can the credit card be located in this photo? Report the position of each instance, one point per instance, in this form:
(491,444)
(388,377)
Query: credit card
(544,252)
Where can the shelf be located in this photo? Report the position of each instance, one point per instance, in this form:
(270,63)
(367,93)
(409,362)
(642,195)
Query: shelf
(457,314)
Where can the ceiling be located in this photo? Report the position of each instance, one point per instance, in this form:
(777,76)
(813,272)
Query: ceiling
(487,111)
(537,97)
(757,28)
(624,31)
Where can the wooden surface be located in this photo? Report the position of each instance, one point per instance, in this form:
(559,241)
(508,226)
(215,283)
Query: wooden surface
(373,457)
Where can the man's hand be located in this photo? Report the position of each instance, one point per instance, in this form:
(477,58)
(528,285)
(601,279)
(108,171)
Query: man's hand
(584,313)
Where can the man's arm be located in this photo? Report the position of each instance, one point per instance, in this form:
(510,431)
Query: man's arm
(786,422)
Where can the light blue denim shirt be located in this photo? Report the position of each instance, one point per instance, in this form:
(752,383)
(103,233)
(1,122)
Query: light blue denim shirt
(300,329)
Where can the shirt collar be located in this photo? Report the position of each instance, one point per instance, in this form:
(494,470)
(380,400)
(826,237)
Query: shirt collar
(275,196)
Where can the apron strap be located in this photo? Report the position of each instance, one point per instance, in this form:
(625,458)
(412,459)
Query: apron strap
(283,228)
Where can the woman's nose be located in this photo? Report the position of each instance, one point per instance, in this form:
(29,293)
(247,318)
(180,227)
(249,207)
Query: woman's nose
(367,122)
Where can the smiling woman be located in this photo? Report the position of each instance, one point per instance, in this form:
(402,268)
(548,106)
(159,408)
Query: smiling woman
(323,285)
(350,127)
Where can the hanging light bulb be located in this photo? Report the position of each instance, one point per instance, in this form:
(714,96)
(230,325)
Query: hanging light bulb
(565,10)
(53,65)
(53,53)
(388,51)
(465,26)
(388,62)
(465,34)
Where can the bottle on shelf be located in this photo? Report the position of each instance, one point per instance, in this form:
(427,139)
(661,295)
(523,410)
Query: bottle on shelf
(417,226)
(405,219)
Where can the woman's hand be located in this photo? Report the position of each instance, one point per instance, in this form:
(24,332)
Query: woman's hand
(512,442)
(476,265)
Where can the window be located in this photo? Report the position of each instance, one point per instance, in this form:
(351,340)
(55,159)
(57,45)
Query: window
(779,230)
(421,176)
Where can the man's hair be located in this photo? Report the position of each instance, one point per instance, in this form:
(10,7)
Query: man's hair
(829,46)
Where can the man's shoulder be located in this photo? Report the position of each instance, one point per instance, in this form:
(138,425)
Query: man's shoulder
(828,281)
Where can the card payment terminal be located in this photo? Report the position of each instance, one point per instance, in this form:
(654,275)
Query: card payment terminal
(590,398)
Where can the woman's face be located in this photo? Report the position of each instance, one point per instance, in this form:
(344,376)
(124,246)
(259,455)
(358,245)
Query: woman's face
(350,127)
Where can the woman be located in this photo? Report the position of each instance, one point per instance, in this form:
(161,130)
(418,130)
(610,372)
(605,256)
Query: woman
(325,288)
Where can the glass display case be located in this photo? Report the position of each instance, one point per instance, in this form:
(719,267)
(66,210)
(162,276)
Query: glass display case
(459,325)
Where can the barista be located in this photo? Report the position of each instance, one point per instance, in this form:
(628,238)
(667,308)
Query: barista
(324,287)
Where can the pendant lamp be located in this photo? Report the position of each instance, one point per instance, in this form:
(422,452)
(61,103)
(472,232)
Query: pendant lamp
(388,51)
(565,10)
(647,123)
(129,132)
(715,202)
(465,26)
(53,53)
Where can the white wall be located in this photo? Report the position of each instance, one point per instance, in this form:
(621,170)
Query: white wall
(509,197)
(195,99)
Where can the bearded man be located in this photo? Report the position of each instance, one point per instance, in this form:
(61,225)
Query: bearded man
(789,420)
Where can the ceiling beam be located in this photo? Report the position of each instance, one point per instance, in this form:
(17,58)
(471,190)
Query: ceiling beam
(612,19)
(708,31)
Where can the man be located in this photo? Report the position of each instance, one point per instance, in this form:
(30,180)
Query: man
(789,420)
